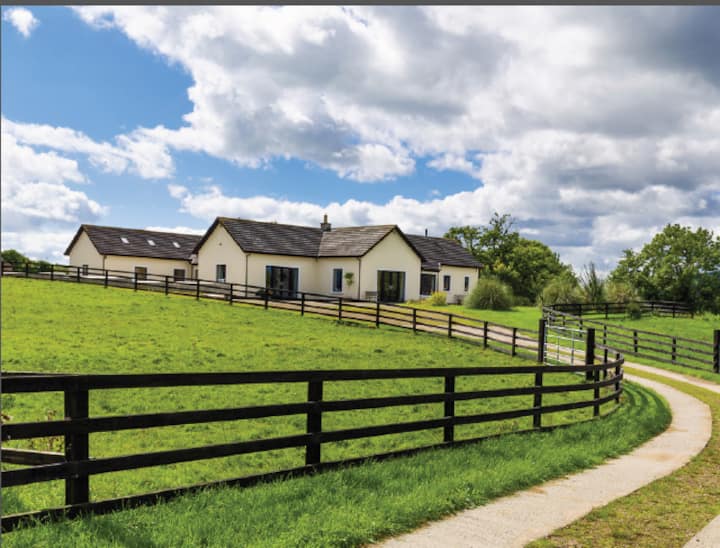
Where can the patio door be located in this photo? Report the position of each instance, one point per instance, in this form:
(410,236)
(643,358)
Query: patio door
(282,281)
(391,286)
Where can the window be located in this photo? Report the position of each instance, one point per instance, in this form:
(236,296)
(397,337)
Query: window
(220,272)
(337,280)
(467,283)
(176,245)
(141,273)
(446,283)
(124,240)
(151,242)
(85,270)
(427,284)
(179,274)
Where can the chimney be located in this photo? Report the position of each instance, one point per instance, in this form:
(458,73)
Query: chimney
(325,226)
(426,232)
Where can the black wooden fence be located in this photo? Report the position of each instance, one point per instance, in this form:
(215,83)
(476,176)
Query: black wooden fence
(660,308)
(76,466)
(510,340)
(681,351)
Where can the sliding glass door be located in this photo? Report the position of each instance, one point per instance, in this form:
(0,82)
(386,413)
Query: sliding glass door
(282,281)
(391,286)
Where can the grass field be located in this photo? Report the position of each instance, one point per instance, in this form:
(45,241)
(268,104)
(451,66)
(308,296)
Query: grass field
(63,327)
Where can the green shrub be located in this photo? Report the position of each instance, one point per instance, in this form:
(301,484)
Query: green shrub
(490,294)
(620,292)
(438,299)
(633,310)
(563,289)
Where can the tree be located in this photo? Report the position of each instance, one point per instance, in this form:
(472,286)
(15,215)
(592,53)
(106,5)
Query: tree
(13,257)
(678,264)
(526,265)
(592,285)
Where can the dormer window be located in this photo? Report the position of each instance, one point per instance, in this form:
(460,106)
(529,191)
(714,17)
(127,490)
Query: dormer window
(124,240)
(176,245)
(151,242)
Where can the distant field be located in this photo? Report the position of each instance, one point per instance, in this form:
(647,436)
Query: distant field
(699,328)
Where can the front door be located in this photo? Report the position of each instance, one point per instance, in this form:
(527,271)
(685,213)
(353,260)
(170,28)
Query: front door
(282,281)
(391,286)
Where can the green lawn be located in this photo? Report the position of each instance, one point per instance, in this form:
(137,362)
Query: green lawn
(62,327)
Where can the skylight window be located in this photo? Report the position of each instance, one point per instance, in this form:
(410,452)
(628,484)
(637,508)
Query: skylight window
(151,242)
(124,240)
(176,244)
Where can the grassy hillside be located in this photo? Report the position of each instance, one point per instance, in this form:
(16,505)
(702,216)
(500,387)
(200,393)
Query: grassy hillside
(63,327)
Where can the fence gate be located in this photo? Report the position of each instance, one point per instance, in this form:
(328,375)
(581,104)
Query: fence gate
(564,341)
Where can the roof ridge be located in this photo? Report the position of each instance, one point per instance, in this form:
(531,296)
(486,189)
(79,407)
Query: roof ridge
(85,225)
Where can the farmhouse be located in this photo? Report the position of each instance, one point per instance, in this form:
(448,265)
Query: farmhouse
(363,262)
(131,250)
(360,262)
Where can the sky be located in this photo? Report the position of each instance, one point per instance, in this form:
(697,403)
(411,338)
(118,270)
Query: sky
(593,127)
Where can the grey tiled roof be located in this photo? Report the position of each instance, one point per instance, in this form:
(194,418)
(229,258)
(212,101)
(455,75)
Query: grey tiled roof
(108,241)
(437,251)
(302,241)
(352,241)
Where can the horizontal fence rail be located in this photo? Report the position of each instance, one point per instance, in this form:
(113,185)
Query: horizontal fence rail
(661,308)
(674,350)
(510,340)
(76,466)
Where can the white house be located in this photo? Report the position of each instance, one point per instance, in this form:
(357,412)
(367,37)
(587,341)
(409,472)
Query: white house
(363,262)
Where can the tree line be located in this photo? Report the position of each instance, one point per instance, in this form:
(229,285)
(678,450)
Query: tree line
(678,264)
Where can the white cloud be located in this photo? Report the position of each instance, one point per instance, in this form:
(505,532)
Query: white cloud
(574,120)
(22,19)
(136,152)
(40,212)
(178,229)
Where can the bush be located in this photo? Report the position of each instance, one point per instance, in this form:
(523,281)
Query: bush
(490,294)
(437,299)
(633,311)
(562,289)
(620,292)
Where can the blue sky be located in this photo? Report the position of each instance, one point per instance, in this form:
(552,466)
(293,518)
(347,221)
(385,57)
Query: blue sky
(423,117)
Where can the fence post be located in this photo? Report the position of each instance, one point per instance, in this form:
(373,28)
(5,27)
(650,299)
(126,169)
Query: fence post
(513,351)
(605,351)
(635,341)
(716,351)
(135,280)
(377,314)
(673,309)
(674,349)
(167,289)
(617,376)
(339,308)
(542,322)
(27,269)
(589,351)
(52,272)
(232,294)
(197,289)
(314,423)
(450,316)
(414,320)
(106,278)
(77,488)
(537,400)
(596,392)
(78,275)
(606,311)
(449,430)
(302,304)
(485,334)
(266,297)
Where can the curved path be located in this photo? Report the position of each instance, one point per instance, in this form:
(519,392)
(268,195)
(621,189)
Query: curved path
(522,517)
